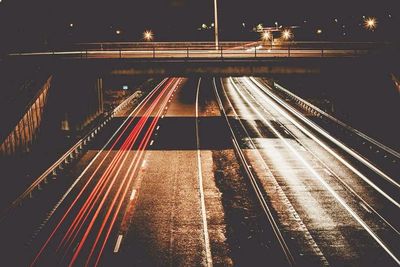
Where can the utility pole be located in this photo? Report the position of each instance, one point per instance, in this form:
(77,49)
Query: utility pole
(216,24)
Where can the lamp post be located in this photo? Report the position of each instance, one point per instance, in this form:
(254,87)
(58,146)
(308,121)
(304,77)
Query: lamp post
(216,24)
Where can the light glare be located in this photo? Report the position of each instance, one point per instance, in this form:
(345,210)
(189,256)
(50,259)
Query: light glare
(148,35)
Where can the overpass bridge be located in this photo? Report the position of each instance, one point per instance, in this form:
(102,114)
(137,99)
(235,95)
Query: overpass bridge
(203,58)
(208,50)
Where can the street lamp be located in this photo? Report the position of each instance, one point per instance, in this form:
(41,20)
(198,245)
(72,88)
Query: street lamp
(148,35)
(370,23)
(266,36)
(216,24)
(287,34)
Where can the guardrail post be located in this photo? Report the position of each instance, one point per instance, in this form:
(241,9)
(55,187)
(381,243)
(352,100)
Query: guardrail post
(187,52)
(255,51)
(222,53)
(154,52)
(289,50)
(322,52)
(120,53)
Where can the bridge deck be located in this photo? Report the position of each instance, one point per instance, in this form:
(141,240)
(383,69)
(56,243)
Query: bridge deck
(198,50)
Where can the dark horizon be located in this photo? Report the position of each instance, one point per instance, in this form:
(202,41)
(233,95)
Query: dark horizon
(50,22)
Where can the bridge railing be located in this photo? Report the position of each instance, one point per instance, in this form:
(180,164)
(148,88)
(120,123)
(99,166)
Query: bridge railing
(208,50)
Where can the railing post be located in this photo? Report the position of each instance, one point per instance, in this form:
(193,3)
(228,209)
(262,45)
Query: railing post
(255,51)
(187,52)
(289,50)
(120,53)
(154,52)
(222,54)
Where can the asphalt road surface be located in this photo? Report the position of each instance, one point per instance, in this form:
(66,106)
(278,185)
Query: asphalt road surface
(162,186)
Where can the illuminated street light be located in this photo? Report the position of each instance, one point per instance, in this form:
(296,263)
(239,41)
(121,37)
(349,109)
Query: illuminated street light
(319,31)
(370,23)
(287,34)
(148,35)
(118,32)
(266,36)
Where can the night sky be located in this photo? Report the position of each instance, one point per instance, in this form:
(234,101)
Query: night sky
(35,22)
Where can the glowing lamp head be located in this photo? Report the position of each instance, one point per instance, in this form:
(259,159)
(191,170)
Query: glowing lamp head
(266,36)
(148,35)
(287,35)
(370,23)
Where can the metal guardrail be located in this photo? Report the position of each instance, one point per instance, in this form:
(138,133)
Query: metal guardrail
(317,111)
(68,156)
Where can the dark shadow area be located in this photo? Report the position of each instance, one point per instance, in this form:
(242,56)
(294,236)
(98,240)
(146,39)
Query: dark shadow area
(175,133)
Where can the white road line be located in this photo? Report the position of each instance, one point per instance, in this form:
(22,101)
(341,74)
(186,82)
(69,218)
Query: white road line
(132,195)
(158,127)
(151,143)
(200,176)
(365,207)
(118,243)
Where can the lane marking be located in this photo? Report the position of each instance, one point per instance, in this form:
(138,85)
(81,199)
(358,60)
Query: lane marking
(365,207)
(132,194)
(209,261)
(118,243)
(151,143)
(158,127)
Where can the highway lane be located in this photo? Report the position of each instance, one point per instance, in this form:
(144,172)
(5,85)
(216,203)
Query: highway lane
(305,185)
(99,219)
(82,223)
(154,194)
